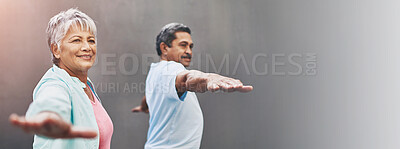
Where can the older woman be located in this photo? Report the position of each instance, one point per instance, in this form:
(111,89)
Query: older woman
(65,104)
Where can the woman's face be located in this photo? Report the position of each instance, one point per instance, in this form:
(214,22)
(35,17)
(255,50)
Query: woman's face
(77,50)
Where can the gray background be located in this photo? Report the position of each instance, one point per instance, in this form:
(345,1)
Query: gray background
(351,103)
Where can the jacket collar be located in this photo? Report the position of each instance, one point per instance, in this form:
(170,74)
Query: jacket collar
(65,75)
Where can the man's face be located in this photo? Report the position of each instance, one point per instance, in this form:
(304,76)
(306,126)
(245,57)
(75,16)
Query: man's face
(181,49)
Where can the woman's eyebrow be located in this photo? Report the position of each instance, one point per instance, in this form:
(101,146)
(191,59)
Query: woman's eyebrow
(75,36)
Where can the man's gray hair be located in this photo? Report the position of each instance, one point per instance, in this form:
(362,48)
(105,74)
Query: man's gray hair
(167,34)
(60,24)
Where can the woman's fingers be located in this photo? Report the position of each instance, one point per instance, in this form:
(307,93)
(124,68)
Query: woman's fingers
(21,122)
(81,132)
(14,119)
(18,121)
(50,125)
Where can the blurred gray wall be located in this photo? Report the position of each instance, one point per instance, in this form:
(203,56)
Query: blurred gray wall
(325,73)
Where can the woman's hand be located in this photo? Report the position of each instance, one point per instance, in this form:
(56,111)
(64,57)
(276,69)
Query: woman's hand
(51,125)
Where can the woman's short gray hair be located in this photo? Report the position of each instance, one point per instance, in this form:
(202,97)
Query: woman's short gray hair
(59,25)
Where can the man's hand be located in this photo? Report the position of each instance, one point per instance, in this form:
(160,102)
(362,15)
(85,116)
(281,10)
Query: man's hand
(139,109)
(197,81)
(217,82)
(51,125)
(142,108)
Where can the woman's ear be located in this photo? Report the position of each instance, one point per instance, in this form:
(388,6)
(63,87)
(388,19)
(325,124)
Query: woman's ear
(56,51)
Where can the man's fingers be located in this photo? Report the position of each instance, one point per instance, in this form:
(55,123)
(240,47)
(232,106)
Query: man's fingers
(227,84)
(136,109)
(139,109)
(223,86)
(212,87)
(230,85)
(245,89)
(238,83)
(81,132)
(233,84)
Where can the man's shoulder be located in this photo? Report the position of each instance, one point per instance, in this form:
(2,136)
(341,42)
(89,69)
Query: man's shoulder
(167,66)
(166,63)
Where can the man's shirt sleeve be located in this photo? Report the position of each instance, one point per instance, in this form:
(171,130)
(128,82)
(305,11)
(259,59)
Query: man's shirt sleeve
(168,78)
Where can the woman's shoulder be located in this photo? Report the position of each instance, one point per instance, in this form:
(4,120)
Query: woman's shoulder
(52,79)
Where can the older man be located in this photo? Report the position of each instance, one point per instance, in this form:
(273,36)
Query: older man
(176,119)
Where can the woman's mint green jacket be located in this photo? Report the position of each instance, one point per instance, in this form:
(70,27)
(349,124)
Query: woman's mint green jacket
(63,94)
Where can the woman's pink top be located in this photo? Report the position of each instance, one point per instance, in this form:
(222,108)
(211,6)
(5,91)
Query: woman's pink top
(104,123)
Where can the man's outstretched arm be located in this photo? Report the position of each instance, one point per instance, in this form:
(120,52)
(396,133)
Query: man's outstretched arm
(197,81)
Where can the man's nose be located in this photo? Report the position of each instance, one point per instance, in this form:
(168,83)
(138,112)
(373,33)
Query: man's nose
(188,51)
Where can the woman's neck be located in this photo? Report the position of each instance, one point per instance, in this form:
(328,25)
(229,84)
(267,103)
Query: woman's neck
(81,75)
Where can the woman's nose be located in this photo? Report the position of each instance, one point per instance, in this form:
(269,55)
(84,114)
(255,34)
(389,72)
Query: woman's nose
(85,46)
